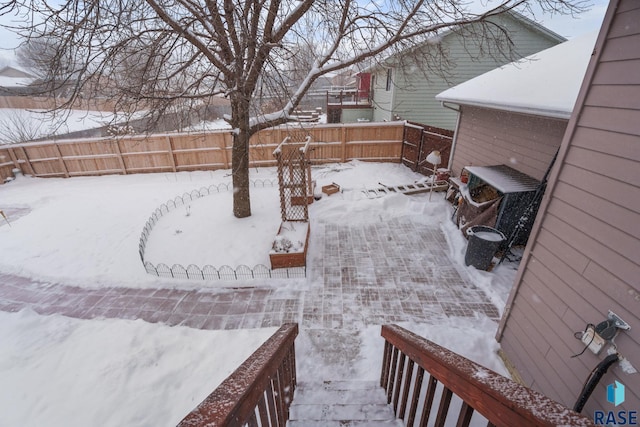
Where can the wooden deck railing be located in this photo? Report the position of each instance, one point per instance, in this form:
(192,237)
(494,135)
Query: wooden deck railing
(501,401)
(349,98)
(260,389)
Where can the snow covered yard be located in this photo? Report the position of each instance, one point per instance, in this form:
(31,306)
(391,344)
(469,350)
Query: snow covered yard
(85,232)
(58,371)
(19,125)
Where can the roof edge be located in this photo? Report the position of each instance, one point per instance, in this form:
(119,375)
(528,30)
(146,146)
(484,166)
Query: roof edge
(537,26)
(387,62)
(543,112)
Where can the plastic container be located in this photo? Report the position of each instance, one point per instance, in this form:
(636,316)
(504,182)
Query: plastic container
(483,243)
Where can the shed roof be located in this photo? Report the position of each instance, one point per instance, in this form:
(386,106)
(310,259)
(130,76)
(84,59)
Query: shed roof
(504,178)
(545,83)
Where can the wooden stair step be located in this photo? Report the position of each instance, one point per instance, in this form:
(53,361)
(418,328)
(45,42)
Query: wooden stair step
(344,423)
(341,403)
(341,412)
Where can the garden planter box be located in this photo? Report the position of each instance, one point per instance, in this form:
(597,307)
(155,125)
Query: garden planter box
(300,200)
(330,189)
(296,256)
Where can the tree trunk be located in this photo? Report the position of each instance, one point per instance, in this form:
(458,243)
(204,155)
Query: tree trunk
(240,157)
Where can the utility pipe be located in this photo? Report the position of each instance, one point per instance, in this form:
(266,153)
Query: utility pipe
(593,380)
(455,133)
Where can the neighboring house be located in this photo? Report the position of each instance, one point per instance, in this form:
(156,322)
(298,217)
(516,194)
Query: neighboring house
(350,103)
(15,81)
(404,92)
(582,259)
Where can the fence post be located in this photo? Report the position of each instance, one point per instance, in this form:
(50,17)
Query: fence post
(61,161)
(14,159)
(223,146)
(28,162)
(404,138)
(343,144)
(172,159)
(120,158)
(420,146)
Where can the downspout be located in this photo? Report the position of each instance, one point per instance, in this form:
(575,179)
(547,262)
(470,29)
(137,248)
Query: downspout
(455,132)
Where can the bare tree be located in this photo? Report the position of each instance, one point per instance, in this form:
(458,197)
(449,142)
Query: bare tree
(186,51)
(19,126)
(32,56)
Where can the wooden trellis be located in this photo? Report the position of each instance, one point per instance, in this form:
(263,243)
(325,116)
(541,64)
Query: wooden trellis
(294,178)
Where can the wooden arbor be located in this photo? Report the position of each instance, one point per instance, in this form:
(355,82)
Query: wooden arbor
(294,178)
(296,193)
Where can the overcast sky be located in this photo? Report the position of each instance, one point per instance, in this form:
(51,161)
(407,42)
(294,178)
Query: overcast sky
(566,26)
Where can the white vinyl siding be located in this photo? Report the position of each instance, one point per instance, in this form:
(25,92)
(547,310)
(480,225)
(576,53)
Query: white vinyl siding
(382,98)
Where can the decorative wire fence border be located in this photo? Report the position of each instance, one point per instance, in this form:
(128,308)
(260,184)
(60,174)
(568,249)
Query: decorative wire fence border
(209,272)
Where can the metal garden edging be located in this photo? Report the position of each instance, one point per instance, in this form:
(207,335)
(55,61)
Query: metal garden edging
(209,272)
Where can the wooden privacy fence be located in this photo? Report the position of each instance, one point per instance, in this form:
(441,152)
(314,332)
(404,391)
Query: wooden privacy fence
(420,140)
(198,151)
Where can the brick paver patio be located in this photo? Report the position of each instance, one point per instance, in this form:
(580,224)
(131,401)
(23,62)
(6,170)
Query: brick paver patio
(368,274)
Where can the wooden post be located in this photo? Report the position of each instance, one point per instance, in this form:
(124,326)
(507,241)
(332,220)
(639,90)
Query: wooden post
(279,137)
(61,161)
(14,159)
(32,171)
(223,146)
(420,148)
(170,151)
(343,144)
(404,137)
(120,158)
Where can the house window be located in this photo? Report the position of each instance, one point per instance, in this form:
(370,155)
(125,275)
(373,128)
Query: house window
(388,87)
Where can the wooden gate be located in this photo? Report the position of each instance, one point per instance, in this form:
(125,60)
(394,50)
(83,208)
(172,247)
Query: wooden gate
(419,140)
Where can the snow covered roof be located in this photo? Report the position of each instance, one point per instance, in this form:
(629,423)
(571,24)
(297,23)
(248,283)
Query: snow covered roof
(15,71)
(504,178)
(546,83)
(15,81)
(13,76)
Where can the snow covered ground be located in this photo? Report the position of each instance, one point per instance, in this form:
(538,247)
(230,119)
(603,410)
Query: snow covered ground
(58,371)
(222,124)
(85,232)
(34,123)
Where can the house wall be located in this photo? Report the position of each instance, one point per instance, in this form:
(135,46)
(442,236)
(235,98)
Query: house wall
(382,98)
(584,258)
(355,115)
(491,137)
(416,88)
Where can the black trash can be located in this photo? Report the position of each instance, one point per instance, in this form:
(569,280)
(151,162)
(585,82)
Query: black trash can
(483,243)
